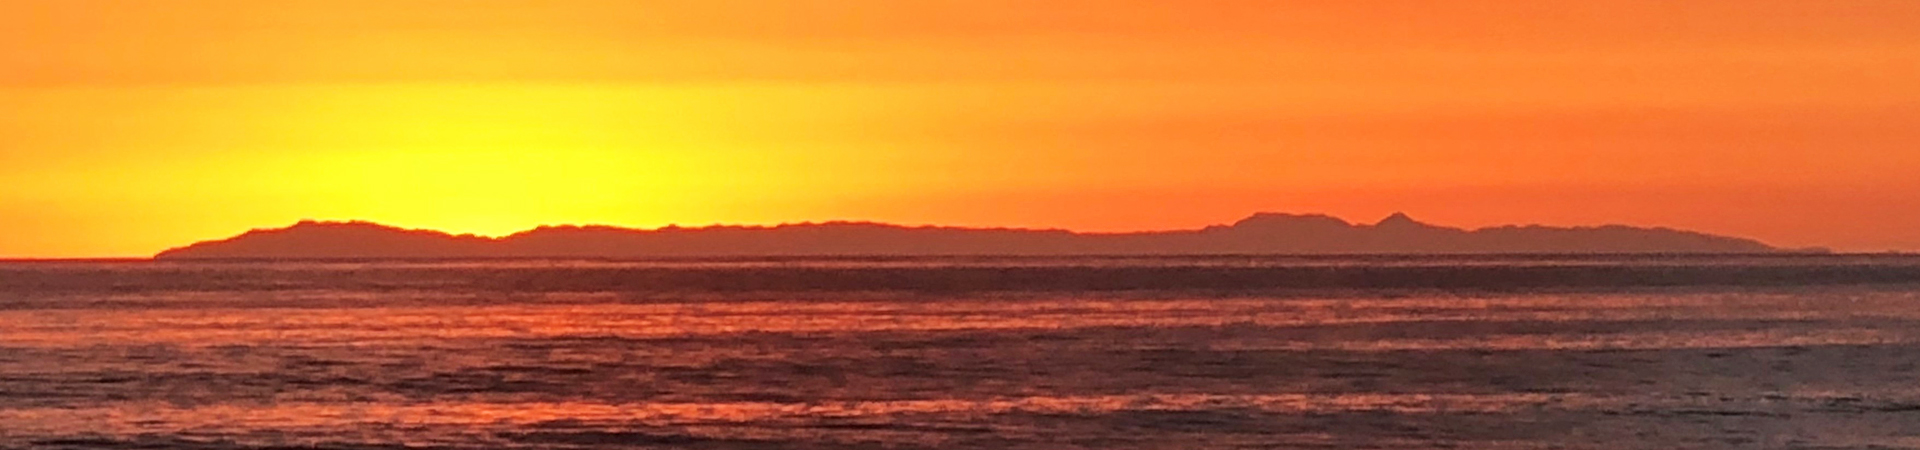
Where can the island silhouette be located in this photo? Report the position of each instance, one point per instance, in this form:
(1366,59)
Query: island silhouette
(1263,233)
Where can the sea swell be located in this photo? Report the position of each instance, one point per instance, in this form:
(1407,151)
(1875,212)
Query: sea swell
(307,355)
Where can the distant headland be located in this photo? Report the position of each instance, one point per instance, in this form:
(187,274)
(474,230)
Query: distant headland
(1264,233)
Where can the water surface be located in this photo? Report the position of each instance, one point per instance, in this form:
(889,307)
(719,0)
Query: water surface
(1023,353)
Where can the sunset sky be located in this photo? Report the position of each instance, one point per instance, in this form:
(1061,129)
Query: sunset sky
(130,126)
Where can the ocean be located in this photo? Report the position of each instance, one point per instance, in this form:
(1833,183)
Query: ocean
(1227,352)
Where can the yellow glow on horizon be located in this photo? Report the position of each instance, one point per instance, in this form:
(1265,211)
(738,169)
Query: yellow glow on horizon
(486,159)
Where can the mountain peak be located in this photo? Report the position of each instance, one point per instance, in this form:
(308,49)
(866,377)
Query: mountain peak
(1398,219)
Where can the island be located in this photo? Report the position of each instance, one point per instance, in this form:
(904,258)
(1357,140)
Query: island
(1264,233)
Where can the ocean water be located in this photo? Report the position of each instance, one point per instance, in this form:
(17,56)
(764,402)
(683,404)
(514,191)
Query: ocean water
(1802,352)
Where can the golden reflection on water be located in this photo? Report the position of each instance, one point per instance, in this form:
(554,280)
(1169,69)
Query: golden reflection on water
(364,325)
(472,372)
(134,417)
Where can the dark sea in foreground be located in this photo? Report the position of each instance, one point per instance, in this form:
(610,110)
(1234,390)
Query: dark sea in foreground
(1738,352)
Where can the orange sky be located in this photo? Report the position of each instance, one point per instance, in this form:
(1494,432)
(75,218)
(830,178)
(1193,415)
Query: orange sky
(128,126)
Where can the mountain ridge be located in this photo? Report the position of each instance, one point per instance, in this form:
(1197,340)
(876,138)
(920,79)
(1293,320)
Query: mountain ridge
(1260,233)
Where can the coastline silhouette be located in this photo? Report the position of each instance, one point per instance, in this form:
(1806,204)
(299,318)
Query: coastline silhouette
(1262,233)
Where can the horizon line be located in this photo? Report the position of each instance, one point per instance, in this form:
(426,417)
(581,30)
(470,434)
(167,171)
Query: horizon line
(928,225)
(1788,253)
